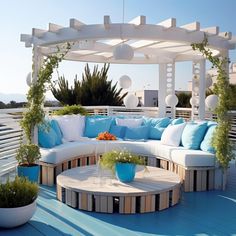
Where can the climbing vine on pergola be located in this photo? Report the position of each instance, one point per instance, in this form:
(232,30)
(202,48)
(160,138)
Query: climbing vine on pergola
(220,141)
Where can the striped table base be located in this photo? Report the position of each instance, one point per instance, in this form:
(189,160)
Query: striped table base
(152,190)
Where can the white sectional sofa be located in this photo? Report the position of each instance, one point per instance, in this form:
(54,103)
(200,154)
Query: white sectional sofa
(195,167)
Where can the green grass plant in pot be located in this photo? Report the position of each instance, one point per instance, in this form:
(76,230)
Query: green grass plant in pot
(27,157)
(17,202)
(122,163)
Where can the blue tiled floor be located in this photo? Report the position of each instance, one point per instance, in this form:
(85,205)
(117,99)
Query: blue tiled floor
(199,213)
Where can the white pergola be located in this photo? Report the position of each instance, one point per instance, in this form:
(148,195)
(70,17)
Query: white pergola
(163,44)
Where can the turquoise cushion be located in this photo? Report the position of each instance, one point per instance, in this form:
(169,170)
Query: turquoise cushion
(206,144)
(118,131)
(156,132)
(138,133)
(94,126)
(152,122)
(55,126)
(193,135)
(46,136)
(177,121)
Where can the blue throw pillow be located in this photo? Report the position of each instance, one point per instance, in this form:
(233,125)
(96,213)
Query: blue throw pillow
(55,126)
(138,133)
(206,144)
(156,132)
(152,122)
(177,121)
(118,131)
(193,135)
(94,126)
(46,136)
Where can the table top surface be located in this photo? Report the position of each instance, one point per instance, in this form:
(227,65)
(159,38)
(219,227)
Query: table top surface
(91,179)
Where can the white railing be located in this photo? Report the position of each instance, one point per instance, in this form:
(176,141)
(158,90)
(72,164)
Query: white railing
(11,133)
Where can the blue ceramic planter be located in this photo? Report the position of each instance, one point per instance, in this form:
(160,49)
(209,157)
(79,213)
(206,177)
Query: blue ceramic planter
(125,172)
(32,172)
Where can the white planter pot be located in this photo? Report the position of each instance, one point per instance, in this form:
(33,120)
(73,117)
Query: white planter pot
(12,217)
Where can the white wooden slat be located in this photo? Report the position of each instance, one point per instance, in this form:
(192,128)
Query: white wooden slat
(54,27)
(139,20)
(38,32)
(76,24)
(107,22)
(211,30)
(194,26)
(169,23)
(226,35)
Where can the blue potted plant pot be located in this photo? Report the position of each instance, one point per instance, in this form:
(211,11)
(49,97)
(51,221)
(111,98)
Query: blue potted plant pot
(30,172)
(125,172)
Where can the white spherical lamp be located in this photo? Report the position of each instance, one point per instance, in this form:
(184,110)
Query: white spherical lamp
(29,79)
(171,100)
(130,101)
(125,82)
(208,81)
(194,101)
(211,101)
(123,52)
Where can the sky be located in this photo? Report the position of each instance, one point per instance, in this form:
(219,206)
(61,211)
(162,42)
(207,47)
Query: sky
(19,17)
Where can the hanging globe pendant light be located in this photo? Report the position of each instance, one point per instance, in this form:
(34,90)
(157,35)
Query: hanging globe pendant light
(123,52)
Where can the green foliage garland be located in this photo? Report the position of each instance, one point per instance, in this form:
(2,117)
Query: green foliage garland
(220,141)
(35,113)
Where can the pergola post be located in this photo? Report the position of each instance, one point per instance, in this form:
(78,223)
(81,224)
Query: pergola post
(166,87)
(37,63)
(198,90)
(162,90)
(202,89)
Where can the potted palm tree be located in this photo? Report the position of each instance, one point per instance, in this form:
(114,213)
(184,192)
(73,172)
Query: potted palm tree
(27,156)
(17,202)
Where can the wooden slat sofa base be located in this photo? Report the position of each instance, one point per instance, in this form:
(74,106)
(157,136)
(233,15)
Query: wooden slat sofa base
(193,179)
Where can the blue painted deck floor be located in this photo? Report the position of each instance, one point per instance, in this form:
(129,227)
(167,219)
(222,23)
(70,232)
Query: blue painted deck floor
(199,213)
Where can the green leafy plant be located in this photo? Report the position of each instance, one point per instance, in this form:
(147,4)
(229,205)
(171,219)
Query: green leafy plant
(68,110)
(94,89)
(220,141)
(65,94)
(18,193)
(109,159)
(28,154)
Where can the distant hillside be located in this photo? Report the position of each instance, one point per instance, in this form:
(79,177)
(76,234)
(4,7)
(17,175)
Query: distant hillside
(6,98)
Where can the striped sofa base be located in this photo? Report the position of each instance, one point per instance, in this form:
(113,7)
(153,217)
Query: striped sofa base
(193,179)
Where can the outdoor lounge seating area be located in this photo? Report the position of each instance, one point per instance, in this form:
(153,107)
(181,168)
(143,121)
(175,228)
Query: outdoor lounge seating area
(195,167)
(110,156)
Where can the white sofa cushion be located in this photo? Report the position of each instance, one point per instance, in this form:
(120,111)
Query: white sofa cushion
(129,122)
(192,158)
(145,148)
(66,151)
(186,157)
(172,135)
(72,126)
(178,155)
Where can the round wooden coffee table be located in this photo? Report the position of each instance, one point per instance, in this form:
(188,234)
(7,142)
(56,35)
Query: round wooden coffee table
(152,190)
